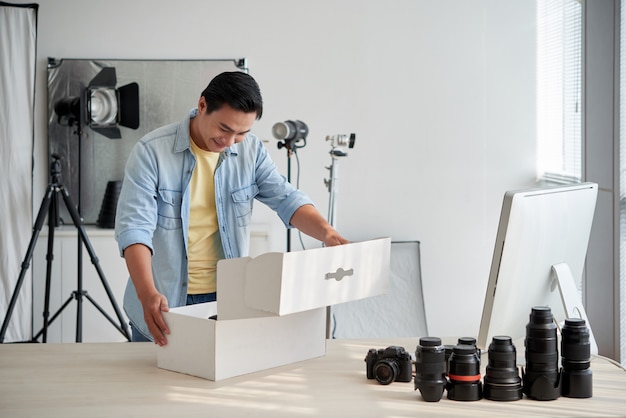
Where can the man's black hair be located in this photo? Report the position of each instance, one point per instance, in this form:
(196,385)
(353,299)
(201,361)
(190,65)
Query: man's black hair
(236,89)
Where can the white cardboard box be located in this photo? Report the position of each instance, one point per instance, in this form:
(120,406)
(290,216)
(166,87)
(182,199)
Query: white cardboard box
(272,309)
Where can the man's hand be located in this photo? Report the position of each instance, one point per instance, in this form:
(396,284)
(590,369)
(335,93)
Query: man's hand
(308,220)
(152,308)
(333,238)
(139,262)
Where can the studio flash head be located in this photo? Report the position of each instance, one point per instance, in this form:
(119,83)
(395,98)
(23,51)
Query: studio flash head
(67,111)
(341,140)
(290,130)
(291,134)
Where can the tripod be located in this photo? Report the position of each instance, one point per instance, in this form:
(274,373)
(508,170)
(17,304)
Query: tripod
(50,206)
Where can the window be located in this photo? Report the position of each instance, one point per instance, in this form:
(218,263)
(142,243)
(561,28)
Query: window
(559,54)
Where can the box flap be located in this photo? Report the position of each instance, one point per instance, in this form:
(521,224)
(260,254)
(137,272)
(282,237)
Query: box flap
(231,280)
(285,283)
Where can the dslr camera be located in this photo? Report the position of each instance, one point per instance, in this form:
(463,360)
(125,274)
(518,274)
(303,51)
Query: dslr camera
(391,364)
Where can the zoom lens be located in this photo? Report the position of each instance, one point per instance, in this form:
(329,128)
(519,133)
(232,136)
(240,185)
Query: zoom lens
(502,381)
(576,379)
(464,374)
(430,368)
(541,376)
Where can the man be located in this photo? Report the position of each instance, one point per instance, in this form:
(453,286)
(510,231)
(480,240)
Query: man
(186,202)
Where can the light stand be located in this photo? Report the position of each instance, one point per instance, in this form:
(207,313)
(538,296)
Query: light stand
(291,135)
(331,183)
(50,207)
(104,108)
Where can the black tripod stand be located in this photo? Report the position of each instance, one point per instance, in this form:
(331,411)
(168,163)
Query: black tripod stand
(50,206)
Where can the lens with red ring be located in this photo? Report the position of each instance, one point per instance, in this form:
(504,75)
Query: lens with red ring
(464,374)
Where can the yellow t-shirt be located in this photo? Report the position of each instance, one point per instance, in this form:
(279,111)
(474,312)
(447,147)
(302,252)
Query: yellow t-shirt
(204,243)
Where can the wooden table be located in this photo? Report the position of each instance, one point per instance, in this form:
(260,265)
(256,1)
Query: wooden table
(121,379)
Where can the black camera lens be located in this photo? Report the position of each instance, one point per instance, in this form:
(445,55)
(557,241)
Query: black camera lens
(385,371)
(576,379)
(430,368)
(502,381)
(464,374)
(467,341)
(541,375)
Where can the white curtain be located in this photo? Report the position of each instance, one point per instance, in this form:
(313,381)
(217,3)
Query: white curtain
(18,42)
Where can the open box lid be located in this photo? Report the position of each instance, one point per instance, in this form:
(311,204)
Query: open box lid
(285,283)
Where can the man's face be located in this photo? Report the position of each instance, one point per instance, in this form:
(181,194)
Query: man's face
(221,128)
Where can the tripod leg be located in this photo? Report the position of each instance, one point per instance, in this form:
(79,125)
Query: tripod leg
(57,313)
(43,210)
(79,291)
(49,258)
(94,259)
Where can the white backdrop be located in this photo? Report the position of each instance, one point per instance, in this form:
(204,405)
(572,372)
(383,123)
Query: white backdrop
(18,43)
(440,93)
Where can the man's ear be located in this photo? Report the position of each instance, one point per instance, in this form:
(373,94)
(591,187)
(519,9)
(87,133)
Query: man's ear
(201,105)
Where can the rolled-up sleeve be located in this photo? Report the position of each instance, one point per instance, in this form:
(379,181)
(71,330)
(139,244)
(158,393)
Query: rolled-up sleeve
(136,215)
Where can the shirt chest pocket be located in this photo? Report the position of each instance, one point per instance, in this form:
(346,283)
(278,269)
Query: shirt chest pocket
(242,201)
(169,203)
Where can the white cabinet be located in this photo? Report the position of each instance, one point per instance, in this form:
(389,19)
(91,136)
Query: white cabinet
(64,282)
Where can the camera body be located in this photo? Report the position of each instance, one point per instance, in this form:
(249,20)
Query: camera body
(391,364)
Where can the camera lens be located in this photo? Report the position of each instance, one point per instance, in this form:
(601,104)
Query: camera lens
(469,341)
(576,379)
(502,381)
(386,371)
(430,368)
(541,376)
(464,374)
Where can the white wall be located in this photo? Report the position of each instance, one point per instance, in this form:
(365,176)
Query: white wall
(440,95)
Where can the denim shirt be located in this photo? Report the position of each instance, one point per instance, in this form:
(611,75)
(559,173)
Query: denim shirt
(153,206)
